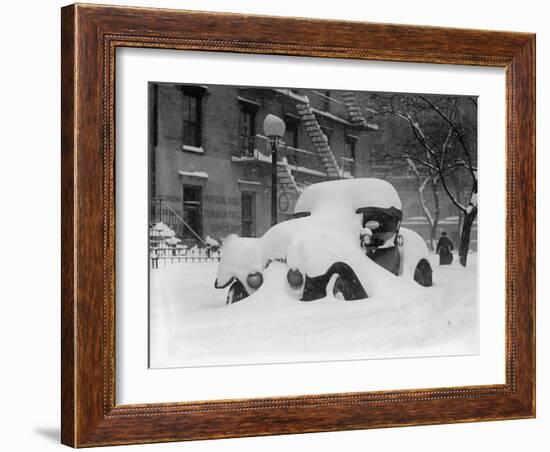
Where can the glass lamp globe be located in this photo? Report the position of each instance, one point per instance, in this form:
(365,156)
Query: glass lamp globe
(274,126)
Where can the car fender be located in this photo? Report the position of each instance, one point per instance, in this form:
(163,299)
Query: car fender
(314,254)
(414,249)
(240,256)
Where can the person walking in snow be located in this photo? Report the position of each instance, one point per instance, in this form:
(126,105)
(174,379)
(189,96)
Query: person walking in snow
(445,249)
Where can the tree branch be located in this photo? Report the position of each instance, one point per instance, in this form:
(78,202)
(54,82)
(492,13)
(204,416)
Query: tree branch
(420,191)
(458,133)
(415,159)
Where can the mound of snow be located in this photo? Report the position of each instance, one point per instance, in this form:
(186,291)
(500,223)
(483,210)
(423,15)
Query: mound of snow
(239,257)
(210,241)
(161,229)
(353,193)
(192,326)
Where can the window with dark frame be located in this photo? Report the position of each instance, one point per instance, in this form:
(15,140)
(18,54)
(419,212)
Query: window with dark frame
(192,106)
(351,143)
(248,129)
(248,214)
(326,101)
(192,211)
(153,138)
(292,132)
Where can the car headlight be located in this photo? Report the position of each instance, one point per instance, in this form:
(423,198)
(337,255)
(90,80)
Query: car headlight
(295,278)
(255,280)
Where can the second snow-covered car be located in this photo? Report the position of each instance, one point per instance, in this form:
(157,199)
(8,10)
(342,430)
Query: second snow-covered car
(345,236)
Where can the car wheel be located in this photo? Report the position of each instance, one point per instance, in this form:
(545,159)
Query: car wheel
(236,293)
(347,287)
(423,273)
(339,289)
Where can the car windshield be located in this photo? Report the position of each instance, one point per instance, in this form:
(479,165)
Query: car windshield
(383,220)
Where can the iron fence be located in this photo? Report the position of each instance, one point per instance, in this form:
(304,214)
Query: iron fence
(161,257)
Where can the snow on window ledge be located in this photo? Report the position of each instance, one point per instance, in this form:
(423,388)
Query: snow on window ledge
(249,182)
(199,174)
(189,148)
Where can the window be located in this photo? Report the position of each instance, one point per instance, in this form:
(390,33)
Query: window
(376,154)
(248,130)
(452,210)
(415,210)
(326,101)
(192,211)
(328,133)
(248,214)
(351,141)
(191,119)
(153,137)
(291,134)
(348,162)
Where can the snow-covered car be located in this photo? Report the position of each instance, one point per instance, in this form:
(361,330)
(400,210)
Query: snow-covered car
(344,237)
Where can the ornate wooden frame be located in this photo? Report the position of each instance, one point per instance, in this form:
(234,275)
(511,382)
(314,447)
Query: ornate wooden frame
(90,35)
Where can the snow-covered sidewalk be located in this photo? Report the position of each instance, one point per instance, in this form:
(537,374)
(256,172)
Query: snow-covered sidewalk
(191,325)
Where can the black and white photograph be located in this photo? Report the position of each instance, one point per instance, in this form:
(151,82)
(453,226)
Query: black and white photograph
(245,226)
(293,225)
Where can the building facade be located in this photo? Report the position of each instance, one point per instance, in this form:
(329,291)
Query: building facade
(210,162)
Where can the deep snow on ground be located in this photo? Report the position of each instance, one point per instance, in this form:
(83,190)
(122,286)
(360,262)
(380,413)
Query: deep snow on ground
(191,325)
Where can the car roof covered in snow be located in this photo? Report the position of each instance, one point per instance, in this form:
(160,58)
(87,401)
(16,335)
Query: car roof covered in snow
(358,193)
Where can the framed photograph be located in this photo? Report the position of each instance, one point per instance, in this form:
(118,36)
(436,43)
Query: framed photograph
(282,225)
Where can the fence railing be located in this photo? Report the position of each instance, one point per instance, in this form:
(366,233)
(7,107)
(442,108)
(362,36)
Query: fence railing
(161,257)
(257,147)
(249,146)
(162,213)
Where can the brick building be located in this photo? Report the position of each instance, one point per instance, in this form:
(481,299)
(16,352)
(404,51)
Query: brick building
(210,164)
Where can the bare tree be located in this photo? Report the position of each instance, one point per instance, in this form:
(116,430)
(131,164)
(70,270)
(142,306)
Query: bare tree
(465,158)
(424,178)
(441,151)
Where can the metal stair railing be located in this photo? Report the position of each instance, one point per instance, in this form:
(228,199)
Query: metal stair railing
(319,139)
(354,111)
(162,212)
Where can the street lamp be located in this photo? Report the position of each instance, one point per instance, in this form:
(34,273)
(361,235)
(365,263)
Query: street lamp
(274,129)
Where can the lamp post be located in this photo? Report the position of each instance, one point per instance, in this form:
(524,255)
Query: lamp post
(274,129)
